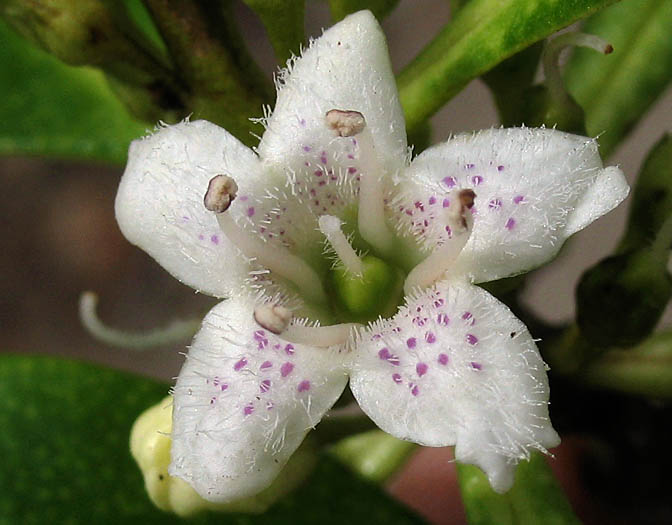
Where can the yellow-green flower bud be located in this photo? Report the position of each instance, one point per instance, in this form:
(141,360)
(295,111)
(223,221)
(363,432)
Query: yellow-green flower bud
(150,446)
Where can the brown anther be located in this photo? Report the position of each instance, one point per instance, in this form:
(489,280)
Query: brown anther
(273,318)
(222,191)
(345,123)
(608,49)
(466,198)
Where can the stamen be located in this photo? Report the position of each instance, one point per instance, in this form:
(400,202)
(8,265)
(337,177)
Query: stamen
(276,258)
(435,265)
(371,215)
(330,226)
(173,333)
(274,318)
(551,60)
(322,336)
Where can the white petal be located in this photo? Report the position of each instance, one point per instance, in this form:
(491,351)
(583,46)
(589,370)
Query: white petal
(159,204)
(244,401)
(347,68)
(534,188)
(455,367)
(593,204)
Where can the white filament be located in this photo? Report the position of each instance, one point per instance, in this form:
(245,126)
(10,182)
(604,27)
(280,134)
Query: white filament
(330,226)
(276,258)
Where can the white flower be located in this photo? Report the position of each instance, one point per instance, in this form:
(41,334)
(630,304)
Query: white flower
(447,364)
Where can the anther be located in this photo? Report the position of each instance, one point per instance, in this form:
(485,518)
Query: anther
(222,190)
(273,318)
(346,123)
(438,262)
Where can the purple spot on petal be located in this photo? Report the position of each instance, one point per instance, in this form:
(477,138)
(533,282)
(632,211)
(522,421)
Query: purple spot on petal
(438,303)
(248,410)
(286,369)
(430,337)
(201,237)
(471,339)
(510,224)
(476,366)
(289,349)
(411,342)
(393,360)
(476,180)
(469,318)
(470,166)
(518,199)
(214,239)
(266,365)
(352,170)
(495,204)
(449,181)
(443,319)
(415,390)
(500,168)
(302,122)
(421,369)
(250,211)
(443,359)
(304,386)
(223,387)
(212,400)
(432,200)
(446,203)
(384,353)
(240,364)
(306,149)
(265,385)
(396,378)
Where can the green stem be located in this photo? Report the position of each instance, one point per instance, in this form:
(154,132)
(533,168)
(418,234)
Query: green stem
(479,37)
(224,84)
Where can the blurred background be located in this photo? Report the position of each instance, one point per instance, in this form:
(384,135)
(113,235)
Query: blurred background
(59,238)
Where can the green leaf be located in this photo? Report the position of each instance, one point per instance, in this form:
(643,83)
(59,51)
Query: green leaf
(283,21)
(535,498)
(65,456)
(615,93)
(57,110)
(483,34)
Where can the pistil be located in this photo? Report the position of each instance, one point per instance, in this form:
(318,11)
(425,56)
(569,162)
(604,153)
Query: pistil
(221,193)
(371,214)
(461,222)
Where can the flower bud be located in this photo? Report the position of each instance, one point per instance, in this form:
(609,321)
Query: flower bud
(150,447)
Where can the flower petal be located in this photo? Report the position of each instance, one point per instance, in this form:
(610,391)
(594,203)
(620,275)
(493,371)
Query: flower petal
(455,367)
(159,204)
(244,401)
(347,68)
(534,188)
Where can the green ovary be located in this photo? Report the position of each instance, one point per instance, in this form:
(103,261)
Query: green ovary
(378,292)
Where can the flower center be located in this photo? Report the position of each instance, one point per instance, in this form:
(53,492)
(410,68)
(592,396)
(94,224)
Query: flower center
(358,287)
